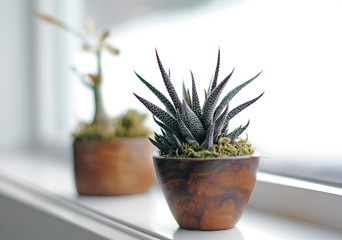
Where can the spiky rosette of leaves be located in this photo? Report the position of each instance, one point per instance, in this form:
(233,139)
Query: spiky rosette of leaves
(185,122)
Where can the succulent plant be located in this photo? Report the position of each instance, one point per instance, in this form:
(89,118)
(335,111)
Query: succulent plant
(185,122)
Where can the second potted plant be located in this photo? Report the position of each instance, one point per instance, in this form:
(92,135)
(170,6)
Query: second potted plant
(206,172)
(116,162)
(111,156)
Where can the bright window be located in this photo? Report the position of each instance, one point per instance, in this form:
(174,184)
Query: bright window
(297,44)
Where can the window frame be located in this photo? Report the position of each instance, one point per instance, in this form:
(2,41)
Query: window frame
(55,50)
(307,201)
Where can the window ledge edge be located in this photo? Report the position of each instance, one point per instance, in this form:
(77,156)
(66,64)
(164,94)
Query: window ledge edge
(298,199)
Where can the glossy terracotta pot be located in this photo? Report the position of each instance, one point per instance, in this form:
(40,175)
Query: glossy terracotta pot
(119,167)
(207,194)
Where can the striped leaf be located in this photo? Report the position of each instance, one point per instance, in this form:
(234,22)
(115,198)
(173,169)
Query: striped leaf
(161,125)
(186,95)
(231,94)
(184,92)
(170,141)
(205,95)
(165,117)
(164,148)
(158,138)
(193,122)
(168,105)
(219,123)
(168,84)
(196,106)
(209,106)
(237,132)
(186,133)
(209,139)
(175,142)
(166,128)
(241,107)
(167,142)
(214,83)
(207,92)
(224,130)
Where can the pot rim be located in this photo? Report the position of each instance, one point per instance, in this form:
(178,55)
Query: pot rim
(256,154)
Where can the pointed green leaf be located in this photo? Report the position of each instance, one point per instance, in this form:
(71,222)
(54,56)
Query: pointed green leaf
(184,92)
(161,125)
(208,90)
(231,94)
(205,96)
(209,139)
(241,107)
(158,137)
(165,117)
(162,147)
(168,84)
(189,138)
(166,130)
(175,142)
(225,129)
(209,106)
(169,141)
(196,106)
(237,132)
(237,89)
(186,95)
(168,105)
(193,122)
(219,123)
(189,100)
(213,86)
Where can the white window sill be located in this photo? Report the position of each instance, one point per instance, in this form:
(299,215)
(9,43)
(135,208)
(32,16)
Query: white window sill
(298,199)
(41,182)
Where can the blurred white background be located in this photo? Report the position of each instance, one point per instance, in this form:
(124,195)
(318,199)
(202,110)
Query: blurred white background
(297,44)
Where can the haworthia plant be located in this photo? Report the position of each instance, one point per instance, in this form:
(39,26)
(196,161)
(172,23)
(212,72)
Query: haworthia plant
(186,122)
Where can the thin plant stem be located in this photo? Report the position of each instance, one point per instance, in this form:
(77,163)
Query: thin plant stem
(100,115)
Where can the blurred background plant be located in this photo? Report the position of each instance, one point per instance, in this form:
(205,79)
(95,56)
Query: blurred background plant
(96,46)
(129,124)
(102,126)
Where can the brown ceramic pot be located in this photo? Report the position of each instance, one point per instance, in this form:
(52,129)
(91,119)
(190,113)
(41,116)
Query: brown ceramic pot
(207,194)
(119,167)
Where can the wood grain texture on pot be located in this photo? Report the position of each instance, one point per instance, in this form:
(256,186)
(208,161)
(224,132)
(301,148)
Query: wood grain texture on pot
(207,194)
(118,167)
